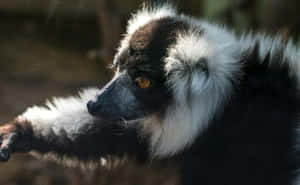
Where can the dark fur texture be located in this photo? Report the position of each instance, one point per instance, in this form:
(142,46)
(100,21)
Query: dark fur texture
(253,141)
(115,140)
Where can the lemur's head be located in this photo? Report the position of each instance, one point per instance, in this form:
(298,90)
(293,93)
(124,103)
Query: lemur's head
(139,87)
(173,73)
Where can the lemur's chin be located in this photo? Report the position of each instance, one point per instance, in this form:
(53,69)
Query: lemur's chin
(104,116)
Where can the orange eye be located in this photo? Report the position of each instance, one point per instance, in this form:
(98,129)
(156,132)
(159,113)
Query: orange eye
(143,82)
(115,69)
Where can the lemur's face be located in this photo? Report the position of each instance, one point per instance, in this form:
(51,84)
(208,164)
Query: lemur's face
(139,86)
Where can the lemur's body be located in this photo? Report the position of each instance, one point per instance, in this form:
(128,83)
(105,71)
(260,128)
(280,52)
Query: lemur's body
(227,106)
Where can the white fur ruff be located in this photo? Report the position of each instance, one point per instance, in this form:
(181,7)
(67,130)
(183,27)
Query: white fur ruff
(198,95)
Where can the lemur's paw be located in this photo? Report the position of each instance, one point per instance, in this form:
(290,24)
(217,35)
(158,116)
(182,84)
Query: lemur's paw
(8,137)
(15,136)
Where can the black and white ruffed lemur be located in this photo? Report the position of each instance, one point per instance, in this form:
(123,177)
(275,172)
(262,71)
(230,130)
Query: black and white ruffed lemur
(227,106)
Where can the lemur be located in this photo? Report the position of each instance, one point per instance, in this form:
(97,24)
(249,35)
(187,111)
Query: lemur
(227,106)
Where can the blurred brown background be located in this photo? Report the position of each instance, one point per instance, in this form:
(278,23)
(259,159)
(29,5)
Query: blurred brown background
(55,47)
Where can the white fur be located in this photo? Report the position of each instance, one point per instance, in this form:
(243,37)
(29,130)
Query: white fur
(62,115)
(186,118)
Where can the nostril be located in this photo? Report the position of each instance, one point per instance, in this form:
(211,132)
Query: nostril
(90,106)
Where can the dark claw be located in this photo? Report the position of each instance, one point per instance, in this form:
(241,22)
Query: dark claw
(4,154)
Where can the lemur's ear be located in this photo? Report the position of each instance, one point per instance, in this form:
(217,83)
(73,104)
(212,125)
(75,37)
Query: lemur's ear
(179,69)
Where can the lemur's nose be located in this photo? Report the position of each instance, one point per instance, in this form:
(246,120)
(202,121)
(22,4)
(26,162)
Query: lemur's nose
(91,107)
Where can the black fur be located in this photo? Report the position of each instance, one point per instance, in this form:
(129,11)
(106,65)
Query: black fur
(253,141)
(104,139)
